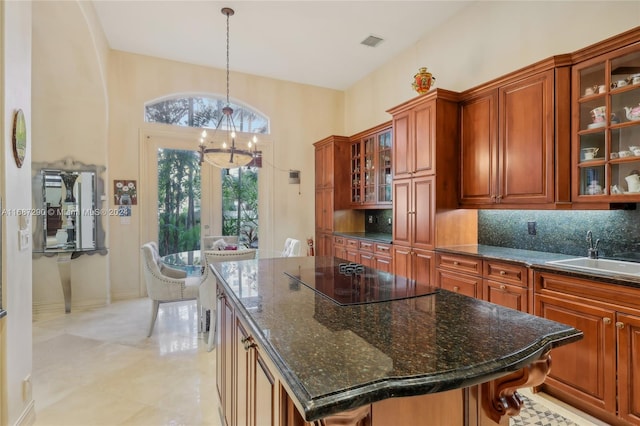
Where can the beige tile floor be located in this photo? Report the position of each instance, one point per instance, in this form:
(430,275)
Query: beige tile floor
(97,367)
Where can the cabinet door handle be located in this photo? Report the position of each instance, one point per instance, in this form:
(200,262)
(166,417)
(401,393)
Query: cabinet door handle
(619,325)
(503,273)
(606,320)
(456,263)
(503,287)
(456,288)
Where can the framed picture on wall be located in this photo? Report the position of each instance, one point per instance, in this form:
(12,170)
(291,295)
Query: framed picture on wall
(19,137)
(125,193)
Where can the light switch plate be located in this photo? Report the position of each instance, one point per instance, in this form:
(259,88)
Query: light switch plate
(24,239)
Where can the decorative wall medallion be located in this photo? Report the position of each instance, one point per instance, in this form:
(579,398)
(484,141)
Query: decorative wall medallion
(19,137)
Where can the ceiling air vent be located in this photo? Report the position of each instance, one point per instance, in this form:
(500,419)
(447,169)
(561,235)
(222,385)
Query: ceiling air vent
(371,41)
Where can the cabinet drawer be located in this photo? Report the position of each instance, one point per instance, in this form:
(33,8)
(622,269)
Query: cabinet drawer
(467,264)
(460,283)
(366,246)
(339,241)
(505,272)
(383,249)
(353,244)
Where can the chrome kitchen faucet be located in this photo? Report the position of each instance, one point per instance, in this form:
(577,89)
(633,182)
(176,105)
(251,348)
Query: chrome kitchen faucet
(592,250)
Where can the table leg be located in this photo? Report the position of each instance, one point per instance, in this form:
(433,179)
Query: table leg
(64,269)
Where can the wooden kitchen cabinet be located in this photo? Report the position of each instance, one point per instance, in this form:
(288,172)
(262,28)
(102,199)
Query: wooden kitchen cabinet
(414,141)
(370,168)
(339,247)
(331,162)
(460,274)
(515,138)
(369,253)
(224,357)
(598,374)
(606,123)
(413,215)
(414,263)
(425,200)
(249,392)
(506,284)
(502,283)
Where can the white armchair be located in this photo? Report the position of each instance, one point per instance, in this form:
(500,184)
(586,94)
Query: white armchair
(207,289)
(164,284)
(291,248)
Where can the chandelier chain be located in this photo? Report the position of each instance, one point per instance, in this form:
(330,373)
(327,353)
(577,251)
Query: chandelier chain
(227,13)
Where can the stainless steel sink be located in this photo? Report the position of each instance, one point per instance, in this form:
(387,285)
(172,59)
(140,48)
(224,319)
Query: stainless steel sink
(619,267)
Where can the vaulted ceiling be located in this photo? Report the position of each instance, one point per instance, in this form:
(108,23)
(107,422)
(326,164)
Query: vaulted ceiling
(310,42)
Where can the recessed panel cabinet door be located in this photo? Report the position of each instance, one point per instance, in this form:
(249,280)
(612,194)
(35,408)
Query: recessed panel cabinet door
(423,215)
(402,211)
(478,153)
(628,327)
(425,139)
(402,143)
(585,369)
(526,140)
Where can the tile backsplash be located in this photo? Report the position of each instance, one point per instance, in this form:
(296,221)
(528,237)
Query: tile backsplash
(563,231)
(378,221)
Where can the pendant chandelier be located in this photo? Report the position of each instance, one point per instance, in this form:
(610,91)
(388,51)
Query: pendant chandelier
(222,150)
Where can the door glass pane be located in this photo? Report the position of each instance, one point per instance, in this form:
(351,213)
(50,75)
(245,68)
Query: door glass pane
(240,205)
(178,201)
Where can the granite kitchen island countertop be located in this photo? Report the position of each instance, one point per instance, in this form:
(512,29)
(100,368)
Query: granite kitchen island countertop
(333,357)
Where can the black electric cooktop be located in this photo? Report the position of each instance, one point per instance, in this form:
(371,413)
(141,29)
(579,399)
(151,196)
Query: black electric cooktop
(352,283)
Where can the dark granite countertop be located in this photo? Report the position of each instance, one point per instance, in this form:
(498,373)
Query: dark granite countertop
(537,260)
(373,236)
(333,358)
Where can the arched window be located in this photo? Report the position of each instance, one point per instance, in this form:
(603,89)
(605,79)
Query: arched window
(199,111)
(179,181)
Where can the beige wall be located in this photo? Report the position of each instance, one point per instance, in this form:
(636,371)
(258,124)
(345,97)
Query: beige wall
(69,120)
(15,328)
(299,114)
(483,42)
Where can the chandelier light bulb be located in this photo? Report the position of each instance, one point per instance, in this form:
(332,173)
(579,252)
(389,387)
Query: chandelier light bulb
(224,144)
(204,134)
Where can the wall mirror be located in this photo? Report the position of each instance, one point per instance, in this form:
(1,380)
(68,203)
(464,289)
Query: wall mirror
(69,207)
(68,197)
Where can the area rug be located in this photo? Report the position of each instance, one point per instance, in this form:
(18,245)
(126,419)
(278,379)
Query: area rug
(535,414)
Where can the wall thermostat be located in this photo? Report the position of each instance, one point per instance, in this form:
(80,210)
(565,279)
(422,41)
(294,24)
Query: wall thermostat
(294,176)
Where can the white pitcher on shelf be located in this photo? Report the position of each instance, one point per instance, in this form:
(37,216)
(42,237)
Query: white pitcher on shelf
(633,182)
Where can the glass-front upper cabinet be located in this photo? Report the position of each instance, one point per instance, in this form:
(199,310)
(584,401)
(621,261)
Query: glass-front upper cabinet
(369,170)
(385,176)
(356,166)
(606,127)
(371,173)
